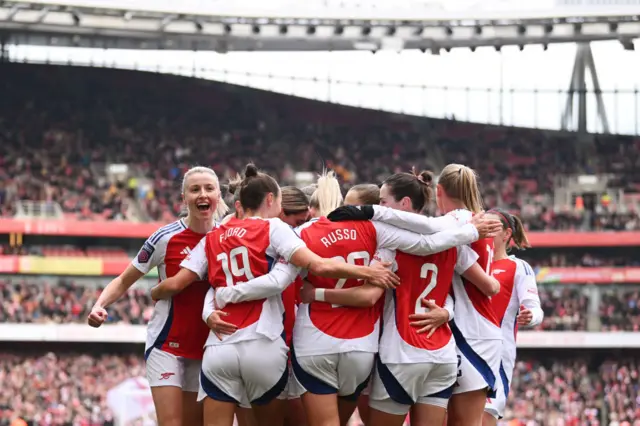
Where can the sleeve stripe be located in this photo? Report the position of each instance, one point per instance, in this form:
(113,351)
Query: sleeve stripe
(164,231)
(527,267)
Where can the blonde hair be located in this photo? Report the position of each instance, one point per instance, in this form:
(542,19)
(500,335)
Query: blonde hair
(460,183)
(221,208)
(328,196)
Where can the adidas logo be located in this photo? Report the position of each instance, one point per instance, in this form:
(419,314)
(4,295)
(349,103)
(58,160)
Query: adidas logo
(186,251)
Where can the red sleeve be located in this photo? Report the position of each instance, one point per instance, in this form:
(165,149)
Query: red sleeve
(290,299)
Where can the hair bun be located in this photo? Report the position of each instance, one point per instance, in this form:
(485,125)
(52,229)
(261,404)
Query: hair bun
(250,171)
(426,177)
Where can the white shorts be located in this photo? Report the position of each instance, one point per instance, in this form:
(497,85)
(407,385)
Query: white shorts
(478,363)
(495,406)
(165,369)
(289,391)
(396,387)
(252,371)
(346,374)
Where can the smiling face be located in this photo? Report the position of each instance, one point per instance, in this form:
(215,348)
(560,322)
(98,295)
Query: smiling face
(201,195)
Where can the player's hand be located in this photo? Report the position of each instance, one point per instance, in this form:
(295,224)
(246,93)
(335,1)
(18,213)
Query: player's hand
(487,227)
(307,292)
(97,316)
(218,326)
(524,316)
(351,213)
(382,276)
(429,321)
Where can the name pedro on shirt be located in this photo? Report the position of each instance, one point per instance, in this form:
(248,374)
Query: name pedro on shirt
(339,235)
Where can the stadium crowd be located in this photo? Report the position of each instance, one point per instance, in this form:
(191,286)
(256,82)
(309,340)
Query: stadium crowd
(70,389)
(59,126)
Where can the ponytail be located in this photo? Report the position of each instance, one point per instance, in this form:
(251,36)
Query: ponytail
(513,222)
(519,236)
(461,183)
(328,196)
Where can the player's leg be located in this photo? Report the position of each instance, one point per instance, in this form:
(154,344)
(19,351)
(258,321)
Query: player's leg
(431,410)
(165,375)
(316,382)
(363,405)
(489,420)
(295,414)
(354,371)
(191,408)
(245,416)
(221,385)
(265,376)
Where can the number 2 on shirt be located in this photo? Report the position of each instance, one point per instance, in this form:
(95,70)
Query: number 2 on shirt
(424,272)
(351,260)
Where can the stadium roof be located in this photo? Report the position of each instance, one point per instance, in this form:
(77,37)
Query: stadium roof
(311,25)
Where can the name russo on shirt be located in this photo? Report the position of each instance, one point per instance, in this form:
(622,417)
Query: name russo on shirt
(233,232)
(339,235)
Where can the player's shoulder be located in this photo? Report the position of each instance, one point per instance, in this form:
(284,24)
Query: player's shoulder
(462,216)
(164,233)
(307,225)
(522,266)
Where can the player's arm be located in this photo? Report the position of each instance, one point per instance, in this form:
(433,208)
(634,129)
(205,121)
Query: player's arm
(193,268)
(468,267)
(149,256)
(393,238)
(363,296)
(271,284)
(531,313)
(288,245)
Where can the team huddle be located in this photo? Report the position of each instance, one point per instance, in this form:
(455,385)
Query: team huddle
(302,305)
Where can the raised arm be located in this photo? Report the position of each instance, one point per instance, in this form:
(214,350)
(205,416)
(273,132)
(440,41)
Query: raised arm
(149,256)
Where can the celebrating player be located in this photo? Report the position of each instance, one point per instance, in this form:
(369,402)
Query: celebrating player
(252,361)
(475,326)
(517,304)
(176,334)
(334,345)
(414,371)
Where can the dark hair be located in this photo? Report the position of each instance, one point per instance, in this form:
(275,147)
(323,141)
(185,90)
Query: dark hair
(513,222)
(254,187)
(368,193)
(418,187)
(294,201)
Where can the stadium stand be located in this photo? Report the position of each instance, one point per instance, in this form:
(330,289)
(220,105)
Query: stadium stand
(57,120)
(62,129)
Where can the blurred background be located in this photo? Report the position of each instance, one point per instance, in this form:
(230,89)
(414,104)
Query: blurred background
(104,104)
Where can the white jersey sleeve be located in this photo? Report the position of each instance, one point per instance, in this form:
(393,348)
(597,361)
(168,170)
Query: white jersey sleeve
(449,305)
(283,239)
(208,308)
(466,258)
(386,256)
(197,260)
(271,284)
(527,291)
(393,238)
(153,251)
(416,222)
